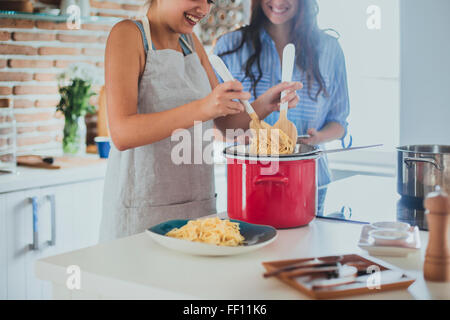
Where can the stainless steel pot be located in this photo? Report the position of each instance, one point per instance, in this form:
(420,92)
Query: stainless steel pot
(420,168)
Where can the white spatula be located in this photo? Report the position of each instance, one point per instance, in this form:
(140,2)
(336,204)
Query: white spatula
(226,75)
(283,123)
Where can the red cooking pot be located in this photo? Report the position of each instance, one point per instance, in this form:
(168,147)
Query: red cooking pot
(280,191)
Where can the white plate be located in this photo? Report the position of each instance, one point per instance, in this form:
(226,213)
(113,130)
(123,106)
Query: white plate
(256,237)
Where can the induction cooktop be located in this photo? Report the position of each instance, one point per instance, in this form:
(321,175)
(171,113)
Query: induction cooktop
(366,199)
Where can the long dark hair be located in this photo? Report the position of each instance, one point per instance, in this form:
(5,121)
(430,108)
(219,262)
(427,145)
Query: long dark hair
(305,37)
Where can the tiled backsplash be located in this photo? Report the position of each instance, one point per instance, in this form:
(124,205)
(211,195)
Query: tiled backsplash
(33,52)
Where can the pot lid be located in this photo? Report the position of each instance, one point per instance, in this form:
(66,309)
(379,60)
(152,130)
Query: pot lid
(426,148)
(301,152)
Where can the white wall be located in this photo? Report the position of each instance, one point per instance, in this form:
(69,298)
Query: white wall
(425,72)
(373,63)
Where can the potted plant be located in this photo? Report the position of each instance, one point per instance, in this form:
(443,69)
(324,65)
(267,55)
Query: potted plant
(75,88)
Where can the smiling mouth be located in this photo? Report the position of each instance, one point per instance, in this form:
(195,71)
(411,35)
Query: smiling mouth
(192,19)
(278,10)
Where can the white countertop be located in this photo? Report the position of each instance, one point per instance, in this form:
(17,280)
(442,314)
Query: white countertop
(136,267)
(28,178)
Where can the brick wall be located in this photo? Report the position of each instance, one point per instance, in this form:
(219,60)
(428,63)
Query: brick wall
(32,53)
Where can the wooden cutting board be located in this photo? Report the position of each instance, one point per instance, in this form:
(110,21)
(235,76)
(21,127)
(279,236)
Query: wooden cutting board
(303,285)
(21,6)
(55,2)
(58,162)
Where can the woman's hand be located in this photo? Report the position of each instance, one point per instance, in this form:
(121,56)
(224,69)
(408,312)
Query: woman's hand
(219,102)
(270,100)
(331,131)
(315,137)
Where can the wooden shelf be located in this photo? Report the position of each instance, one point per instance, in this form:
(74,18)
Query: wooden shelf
(55,18)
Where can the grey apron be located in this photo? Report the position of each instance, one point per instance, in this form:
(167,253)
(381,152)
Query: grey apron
(143,186)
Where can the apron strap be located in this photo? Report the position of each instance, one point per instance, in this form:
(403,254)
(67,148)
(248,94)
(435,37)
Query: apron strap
(186,44)
(146,25)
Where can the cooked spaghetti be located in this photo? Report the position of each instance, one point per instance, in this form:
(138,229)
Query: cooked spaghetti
(210,230)
(269,140)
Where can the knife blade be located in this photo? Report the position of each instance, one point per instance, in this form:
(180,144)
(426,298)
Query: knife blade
(379,278)
(302,265)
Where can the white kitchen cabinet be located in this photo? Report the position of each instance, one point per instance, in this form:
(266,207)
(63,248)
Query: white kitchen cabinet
(86,213)
(3,267)
(78,212)
(77,208)
(220,180)
(19,236)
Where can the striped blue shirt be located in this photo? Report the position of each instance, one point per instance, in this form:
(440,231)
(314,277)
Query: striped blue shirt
(308,113)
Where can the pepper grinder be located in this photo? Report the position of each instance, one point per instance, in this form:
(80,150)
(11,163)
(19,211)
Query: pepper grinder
(437,257)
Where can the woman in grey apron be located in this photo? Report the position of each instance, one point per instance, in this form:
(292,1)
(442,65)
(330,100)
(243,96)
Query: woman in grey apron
(143,185)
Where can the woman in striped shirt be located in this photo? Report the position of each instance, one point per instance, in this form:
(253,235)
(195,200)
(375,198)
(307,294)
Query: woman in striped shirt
(253,54)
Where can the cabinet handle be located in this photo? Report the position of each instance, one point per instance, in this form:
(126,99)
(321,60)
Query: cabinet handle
(51,198)
(35,206)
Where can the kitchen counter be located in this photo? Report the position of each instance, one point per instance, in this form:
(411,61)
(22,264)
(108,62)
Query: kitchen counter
(136,267)
(28,177)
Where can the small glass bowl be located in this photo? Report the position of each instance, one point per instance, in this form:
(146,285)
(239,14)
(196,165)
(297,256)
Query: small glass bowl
(386,237)
(391,225)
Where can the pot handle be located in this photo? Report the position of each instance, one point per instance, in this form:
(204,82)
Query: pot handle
(408,161)
(273,179)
